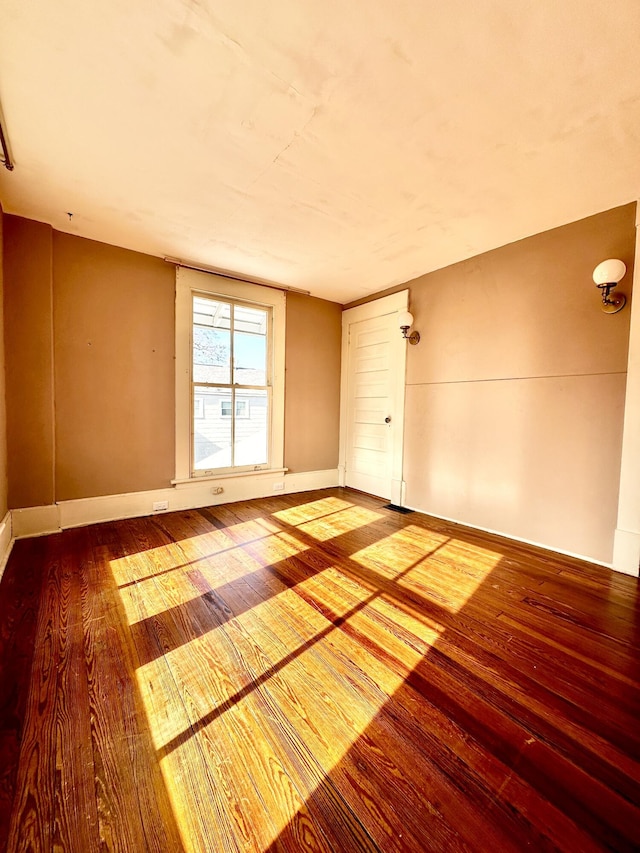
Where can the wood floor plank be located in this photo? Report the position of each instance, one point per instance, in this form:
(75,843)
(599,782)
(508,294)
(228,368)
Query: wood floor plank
(197,803)
(314,672)
(269,770)
(76,810)
(367,662)
(235,600)
(133,805)
(32,820)
(20,594)
(261,632)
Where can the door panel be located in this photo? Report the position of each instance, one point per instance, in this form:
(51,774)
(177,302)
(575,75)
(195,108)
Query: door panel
(373,376)
(369,371)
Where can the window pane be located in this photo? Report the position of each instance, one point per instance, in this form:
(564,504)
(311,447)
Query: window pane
(251,428)
(211,430)
(211,340)
(252,320)
(211,312)
(250,359)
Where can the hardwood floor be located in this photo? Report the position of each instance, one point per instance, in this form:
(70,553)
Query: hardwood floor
(314,672)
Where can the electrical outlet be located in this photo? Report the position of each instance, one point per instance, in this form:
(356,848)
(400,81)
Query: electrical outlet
(217,490)
(160,506)
(278,487)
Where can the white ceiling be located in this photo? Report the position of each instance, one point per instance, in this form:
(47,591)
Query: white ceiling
(339,147)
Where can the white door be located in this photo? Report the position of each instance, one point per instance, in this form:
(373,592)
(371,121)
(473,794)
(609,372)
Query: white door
(374,355)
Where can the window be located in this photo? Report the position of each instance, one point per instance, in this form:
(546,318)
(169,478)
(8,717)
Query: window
(242,408)
(229,376)
(231,382)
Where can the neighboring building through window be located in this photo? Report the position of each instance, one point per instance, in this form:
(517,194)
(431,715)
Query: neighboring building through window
(242,408)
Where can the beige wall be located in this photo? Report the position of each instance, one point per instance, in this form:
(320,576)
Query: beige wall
(29,362)
(90,337)
(312,401)
(3,418)
(515,394)
(114,370)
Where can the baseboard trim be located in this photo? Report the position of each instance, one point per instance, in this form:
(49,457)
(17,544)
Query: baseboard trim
(42,520)
(37,521)
(524,541)
(6,541)
(626,552)
(307,481)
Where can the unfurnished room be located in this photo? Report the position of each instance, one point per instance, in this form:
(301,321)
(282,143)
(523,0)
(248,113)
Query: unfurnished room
(319,426)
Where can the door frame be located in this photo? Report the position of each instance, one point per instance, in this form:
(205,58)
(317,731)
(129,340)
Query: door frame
(392,304)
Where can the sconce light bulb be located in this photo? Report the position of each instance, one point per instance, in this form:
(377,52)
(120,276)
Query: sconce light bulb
(610,271)
(405,319)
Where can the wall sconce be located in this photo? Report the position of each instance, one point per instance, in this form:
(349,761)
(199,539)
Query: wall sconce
(606,276)
(405,321)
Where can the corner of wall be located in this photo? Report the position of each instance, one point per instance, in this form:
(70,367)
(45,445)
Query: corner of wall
(3,411)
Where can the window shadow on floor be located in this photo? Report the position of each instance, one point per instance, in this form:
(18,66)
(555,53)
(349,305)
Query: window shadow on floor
(514,731)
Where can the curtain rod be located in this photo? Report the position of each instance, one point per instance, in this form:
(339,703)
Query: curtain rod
(215,271)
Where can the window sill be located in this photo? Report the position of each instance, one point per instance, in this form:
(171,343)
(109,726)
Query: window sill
(207,478)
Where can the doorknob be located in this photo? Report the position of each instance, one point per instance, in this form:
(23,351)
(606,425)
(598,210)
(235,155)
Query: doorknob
(387,420)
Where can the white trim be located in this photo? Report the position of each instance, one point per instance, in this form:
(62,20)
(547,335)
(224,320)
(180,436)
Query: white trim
(307,481)
(188,281)
(397,492)
(36,521)
(376,308)
(205,478)
(626,548)
(504,535)
(391,304)
(6,541)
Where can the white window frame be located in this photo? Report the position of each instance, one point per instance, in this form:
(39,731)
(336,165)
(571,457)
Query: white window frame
(188,283)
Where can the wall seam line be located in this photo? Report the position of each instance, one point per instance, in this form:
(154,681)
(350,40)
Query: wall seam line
(517,378)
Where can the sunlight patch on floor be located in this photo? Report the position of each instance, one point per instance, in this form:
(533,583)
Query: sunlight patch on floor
(155,599)
(172,555)
(165,712)
(281,672)
(244,694)
(259,731)
(453,574)
(393,554)
(411,619)
(312,510)
(162,587)
(338,523)
(444,571)
(243,532)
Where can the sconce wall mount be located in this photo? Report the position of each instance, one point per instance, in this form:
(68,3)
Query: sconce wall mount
(606,276)
(405,321)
